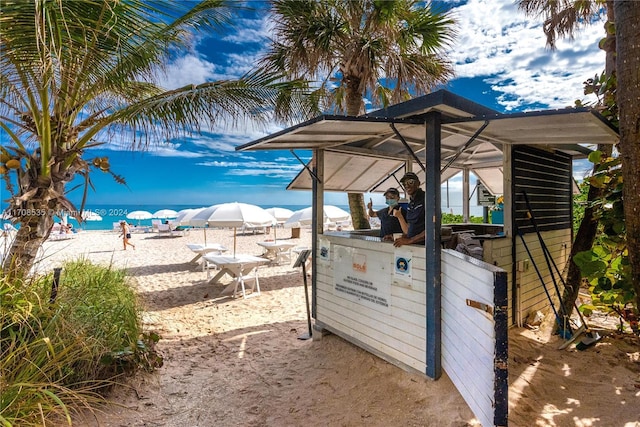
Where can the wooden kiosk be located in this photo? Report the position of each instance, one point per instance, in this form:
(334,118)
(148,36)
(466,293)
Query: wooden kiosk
(430,308)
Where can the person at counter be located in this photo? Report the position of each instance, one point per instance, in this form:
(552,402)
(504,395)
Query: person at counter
(390,216)
(415,226)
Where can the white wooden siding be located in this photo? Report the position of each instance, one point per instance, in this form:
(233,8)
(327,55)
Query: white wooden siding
(398,335)
(468,334)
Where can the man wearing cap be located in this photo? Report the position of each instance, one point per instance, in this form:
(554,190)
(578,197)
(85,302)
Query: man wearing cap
(415,211)
(389,221)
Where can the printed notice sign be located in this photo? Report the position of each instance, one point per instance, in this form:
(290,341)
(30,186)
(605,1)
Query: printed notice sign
(485,198)
(324,251)
(402,265)
(362,276)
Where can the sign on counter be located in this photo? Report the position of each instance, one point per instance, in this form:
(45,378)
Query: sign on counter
(363,277)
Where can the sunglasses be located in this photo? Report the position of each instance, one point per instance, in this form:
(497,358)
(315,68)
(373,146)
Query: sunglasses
(409,182)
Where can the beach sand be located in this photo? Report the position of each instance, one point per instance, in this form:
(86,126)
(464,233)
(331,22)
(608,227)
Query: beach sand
(239,362)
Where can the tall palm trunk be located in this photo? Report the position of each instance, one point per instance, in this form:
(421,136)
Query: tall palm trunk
(35,210)
(587,231)
(359,218)
(34,229)
(628,52)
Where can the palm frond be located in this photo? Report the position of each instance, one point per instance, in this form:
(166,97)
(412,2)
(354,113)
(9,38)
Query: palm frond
(362,45)
(562,18)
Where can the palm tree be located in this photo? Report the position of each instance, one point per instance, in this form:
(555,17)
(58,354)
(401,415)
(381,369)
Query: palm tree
(75,73)
(388,50)
(563,19)
(628,97)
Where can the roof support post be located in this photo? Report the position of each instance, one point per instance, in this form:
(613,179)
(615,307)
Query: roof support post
(465,195)
(317,218)
(433,219)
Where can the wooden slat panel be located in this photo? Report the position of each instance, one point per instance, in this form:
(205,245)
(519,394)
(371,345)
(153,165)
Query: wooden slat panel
(398,334)
(532,295)
(546,178)
(407,353)
(468,335)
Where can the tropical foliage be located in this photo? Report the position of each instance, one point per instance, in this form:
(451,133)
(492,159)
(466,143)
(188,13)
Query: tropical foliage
(386,50)
(622,81)
(60,348)
(78,74)
(606,266)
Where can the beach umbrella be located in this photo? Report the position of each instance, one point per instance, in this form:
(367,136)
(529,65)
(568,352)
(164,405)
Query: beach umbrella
(199,219)
(139,215)
(165,214)
(88,216)
(281,215)
(304,216)
(184,216)
(234,215)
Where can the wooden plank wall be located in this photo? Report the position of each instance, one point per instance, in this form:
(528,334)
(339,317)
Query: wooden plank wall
(397,336)
(546,178)
(532,296)
(468,334)
(469,344)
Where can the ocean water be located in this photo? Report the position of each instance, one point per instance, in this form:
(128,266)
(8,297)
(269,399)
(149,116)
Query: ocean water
(112,215)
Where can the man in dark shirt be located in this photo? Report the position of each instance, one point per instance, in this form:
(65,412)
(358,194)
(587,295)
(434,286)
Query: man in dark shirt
(415,211)
(389,224)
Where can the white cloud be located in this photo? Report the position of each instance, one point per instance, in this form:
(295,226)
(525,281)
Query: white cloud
(498,42)
(250,31)
(186,70)
(252,167)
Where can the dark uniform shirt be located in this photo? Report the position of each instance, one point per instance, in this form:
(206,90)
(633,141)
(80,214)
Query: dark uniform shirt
(389,224)
(415,214)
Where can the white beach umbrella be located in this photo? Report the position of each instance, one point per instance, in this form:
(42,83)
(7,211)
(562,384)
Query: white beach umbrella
(281,215)
(165,213)
(90,216)
(199,219)
(139,215)
(184,216)
(304,216)
(234,215)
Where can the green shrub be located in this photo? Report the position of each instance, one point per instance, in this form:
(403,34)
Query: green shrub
(448,218)
(58,357)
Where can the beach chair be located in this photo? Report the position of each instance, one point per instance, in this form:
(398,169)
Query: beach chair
(164,228)
(154,224)
(243,280)
(60,233)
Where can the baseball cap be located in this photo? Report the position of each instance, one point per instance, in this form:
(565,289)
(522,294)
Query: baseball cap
(409,175)
(392,190)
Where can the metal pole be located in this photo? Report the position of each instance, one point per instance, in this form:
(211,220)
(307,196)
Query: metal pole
(54,285)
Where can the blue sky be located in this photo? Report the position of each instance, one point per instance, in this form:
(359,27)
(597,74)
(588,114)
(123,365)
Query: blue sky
(500,61)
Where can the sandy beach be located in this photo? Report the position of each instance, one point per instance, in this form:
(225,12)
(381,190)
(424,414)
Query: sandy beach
(239,362)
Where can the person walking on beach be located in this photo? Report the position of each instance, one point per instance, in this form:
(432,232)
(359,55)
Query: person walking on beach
(125,232)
